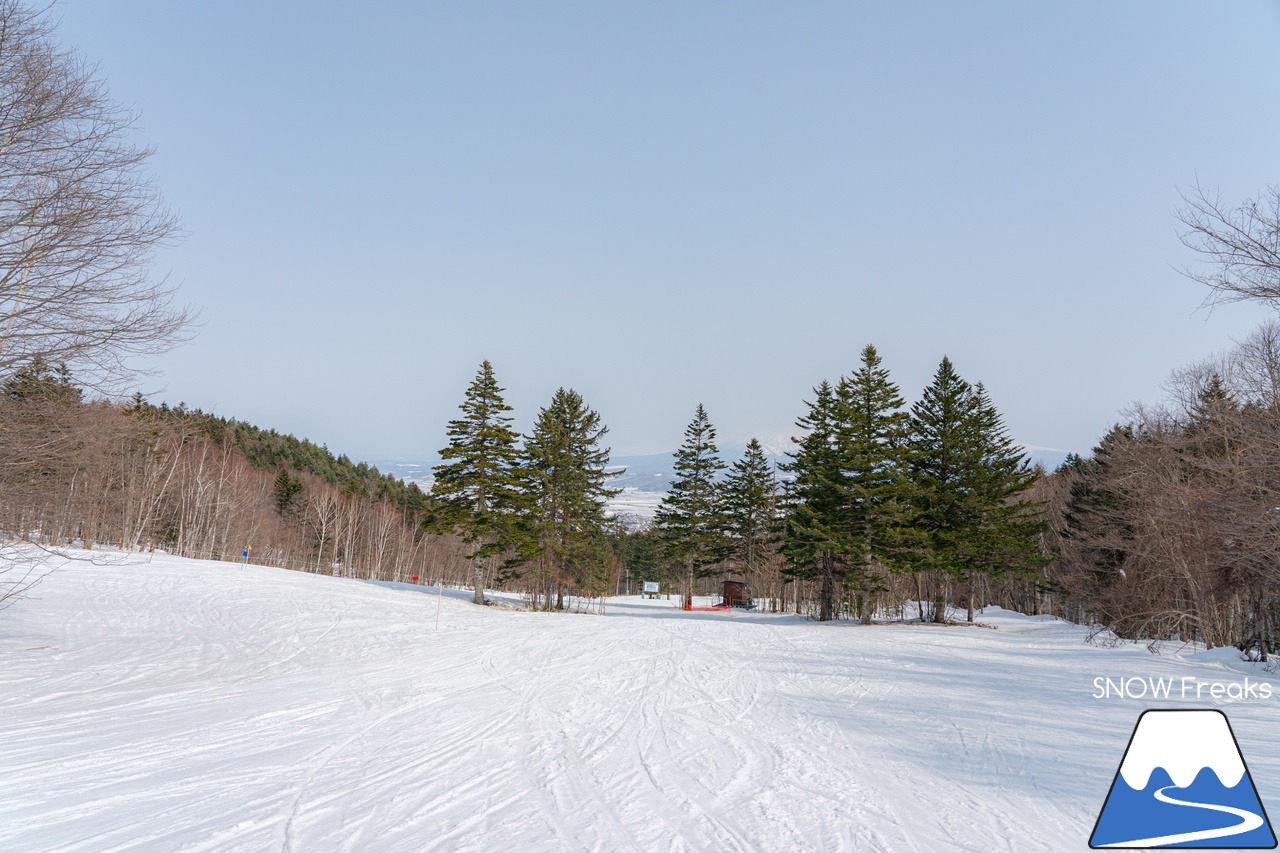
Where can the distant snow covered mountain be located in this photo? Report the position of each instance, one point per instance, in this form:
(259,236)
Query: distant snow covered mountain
(654,472)
(645,481)
(1048,457)
(409,470)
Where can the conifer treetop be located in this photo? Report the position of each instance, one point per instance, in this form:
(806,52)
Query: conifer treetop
(967,474)
(566,464)
(478,488)
(689,518)
(749,503)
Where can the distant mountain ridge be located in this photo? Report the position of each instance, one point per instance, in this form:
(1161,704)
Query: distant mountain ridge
(653,472)
(410,470)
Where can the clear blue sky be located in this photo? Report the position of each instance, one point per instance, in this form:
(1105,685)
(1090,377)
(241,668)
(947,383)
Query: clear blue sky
(666,203)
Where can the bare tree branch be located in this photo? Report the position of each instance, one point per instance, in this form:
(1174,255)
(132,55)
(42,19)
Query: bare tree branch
(79,219)
(22,567)
(1240,245)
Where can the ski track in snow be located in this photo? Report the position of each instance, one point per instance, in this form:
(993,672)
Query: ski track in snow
(195,706)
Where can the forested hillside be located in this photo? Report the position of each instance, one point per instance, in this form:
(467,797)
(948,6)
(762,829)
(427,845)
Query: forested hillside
(137,476)
(269,450)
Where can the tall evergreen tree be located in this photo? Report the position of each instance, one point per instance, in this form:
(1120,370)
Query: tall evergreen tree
(749,504)
(1210,421)
(1010,526)
(812,535)
(847,504)
(689,519)
(287,490)
(479,489)
(870,435)
(1095,514)
(966,475)
(566,465)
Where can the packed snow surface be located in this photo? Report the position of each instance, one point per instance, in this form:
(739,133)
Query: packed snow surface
(178,705)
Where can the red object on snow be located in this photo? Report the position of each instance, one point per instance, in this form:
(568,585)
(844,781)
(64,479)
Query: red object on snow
(415,577)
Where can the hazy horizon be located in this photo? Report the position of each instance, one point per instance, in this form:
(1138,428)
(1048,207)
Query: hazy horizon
(673,204)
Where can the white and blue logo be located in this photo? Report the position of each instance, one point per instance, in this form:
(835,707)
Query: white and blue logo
(1183,783)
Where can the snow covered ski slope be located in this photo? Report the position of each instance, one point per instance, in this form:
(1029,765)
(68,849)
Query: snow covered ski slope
(193,706)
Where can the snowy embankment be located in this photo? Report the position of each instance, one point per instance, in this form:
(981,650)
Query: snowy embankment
(196,706)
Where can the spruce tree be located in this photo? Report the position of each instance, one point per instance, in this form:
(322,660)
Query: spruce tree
(41,382)
(847,504)
(689,519)
(870,436)
(479,490)
(749,504)
(812,533)
(966,475)
(1213,419)
(565,466)
(1011,526)
(287,490)
(1096,517)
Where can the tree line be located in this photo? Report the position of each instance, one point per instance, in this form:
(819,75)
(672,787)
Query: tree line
(79,222)
(874,490)
(873,493)
(139,477)
(1170,528)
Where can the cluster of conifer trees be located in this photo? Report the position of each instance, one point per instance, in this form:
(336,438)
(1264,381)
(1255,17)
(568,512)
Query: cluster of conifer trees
(534,509)
(872,489)
(1167,531)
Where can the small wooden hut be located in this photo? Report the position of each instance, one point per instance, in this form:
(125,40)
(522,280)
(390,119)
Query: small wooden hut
(735,595)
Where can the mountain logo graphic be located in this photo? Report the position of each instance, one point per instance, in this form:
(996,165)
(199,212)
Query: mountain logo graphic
(1183,783)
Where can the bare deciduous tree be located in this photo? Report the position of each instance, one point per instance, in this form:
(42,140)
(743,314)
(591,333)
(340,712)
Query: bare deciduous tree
(1171,530)
(79,219)
(22,567)
(79,224)
(1240,245)
(1250,370)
